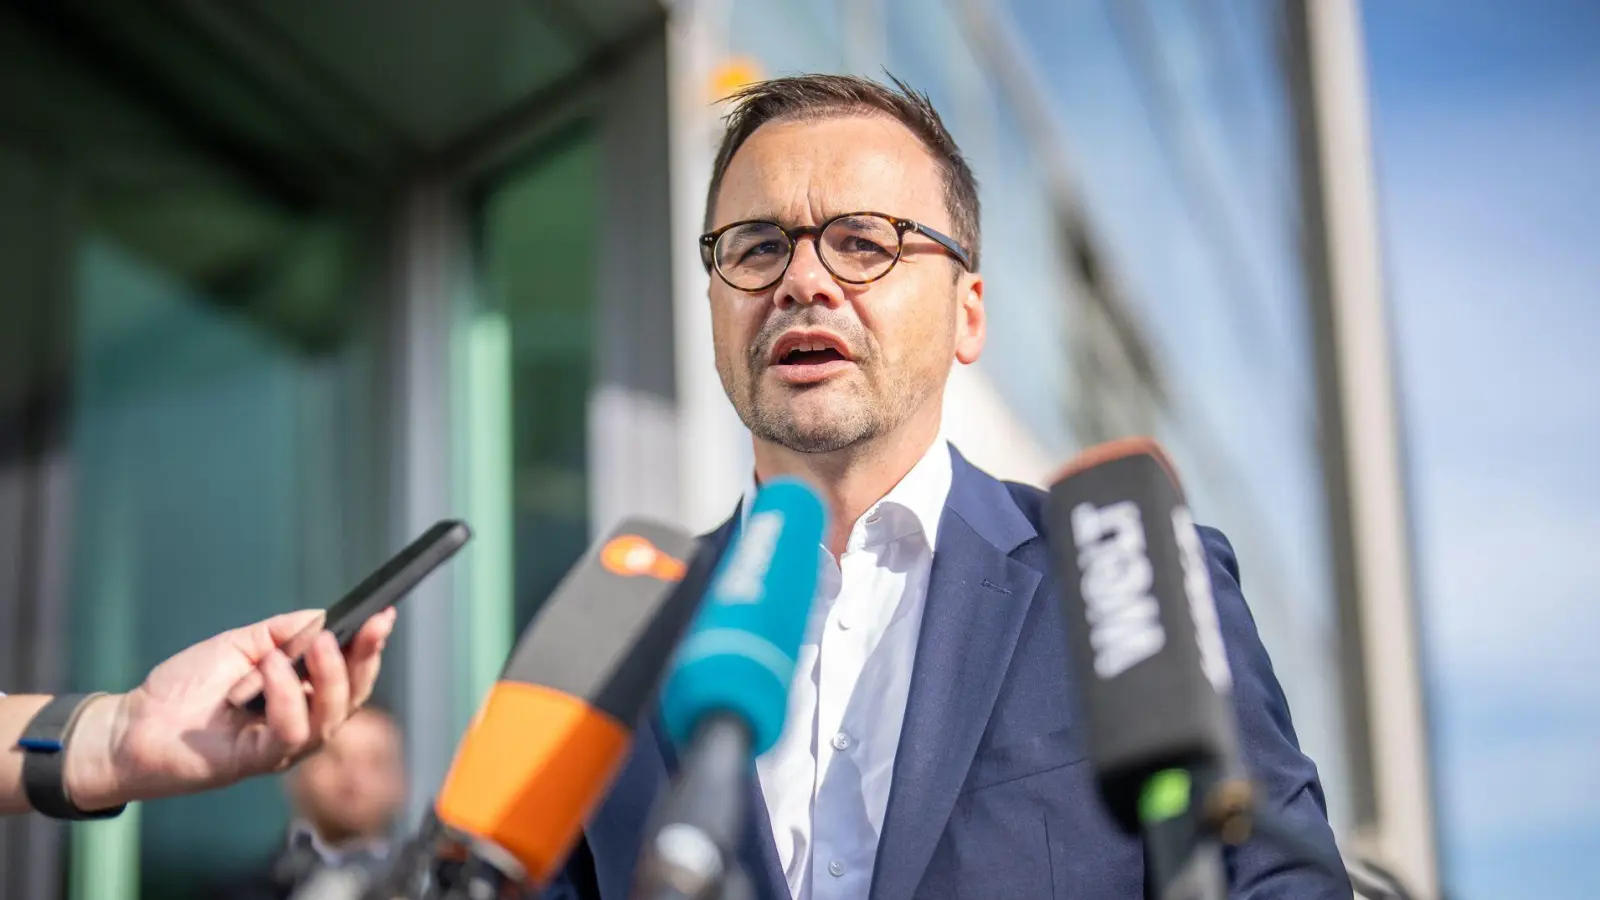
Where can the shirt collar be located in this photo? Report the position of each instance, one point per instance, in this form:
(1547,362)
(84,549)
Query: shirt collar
(914,505)
(300,831)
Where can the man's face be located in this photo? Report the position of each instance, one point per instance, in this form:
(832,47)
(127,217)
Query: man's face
(890,343)
(354,786)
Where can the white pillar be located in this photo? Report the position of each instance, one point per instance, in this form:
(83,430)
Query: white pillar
(1362,444)
(633,422)
(714,455)
(426,251)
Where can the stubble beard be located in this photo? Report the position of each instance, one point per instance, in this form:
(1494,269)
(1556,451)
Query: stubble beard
(849,424)
(847,416)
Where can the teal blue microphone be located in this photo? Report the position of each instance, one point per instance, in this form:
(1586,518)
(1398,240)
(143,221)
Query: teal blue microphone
(739,654)
(725,697)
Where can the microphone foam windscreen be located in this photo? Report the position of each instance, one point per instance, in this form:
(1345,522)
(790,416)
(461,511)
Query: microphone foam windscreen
(1140,619)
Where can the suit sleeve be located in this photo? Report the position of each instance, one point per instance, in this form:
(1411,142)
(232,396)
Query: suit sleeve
(1287,778)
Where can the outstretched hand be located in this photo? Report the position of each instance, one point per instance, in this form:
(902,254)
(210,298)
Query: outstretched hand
(183,730)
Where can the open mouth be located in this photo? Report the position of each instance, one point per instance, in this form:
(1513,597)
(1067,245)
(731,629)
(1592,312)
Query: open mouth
(800,358)
(810,357)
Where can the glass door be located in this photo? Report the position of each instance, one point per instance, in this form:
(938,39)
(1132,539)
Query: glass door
(198,340)
(538,235)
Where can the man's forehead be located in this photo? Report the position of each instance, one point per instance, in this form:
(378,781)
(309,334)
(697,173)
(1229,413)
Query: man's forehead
(816,168)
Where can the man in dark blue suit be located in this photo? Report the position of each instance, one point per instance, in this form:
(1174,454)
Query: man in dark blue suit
(931,747)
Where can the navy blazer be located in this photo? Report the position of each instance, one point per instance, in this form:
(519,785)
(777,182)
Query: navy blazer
(991,796)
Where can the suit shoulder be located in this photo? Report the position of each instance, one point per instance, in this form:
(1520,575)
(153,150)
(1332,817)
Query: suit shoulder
(1030,500)
(1220,549)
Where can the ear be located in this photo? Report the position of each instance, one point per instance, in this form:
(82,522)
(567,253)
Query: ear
(972,324)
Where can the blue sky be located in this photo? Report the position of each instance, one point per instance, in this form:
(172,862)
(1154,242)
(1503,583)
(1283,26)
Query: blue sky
(1487,129)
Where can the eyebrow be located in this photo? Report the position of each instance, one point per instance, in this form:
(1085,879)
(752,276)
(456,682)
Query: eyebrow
(770,216)
(765,215)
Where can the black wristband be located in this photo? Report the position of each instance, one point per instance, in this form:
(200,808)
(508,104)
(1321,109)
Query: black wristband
(44,760)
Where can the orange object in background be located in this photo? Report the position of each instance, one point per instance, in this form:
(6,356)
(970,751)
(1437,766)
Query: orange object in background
(732,74)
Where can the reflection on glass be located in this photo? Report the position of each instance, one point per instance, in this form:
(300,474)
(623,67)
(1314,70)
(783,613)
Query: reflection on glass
(209,450)
(539,259)
(214,386)
(184,438)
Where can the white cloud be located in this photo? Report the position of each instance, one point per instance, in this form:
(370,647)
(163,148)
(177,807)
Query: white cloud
(1546,784)
(1510,582)
(1488,209)
(1489,191)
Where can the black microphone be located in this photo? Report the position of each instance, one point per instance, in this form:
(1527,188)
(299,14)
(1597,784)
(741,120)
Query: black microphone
(1151,668)
(1141,623)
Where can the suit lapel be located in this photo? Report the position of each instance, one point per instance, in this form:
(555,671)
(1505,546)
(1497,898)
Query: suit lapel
(978,597)
(760,849)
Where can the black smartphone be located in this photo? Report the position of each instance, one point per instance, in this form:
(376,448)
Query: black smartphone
(376,593)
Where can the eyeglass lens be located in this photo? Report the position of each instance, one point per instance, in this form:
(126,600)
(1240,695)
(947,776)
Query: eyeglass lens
(856,249)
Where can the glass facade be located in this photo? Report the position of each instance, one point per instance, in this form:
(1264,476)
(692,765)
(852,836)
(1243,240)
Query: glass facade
(207,338)
(1183,146)
(215,392)
(1159,139)
(538,248)
(215,482)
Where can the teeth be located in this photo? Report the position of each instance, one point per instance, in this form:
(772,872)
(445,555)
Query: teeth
(808,346)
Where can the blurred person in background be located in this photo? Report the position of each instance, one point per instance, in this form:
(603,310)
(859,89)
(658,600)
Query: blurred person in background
(930,748)
(345,802)
(181,731)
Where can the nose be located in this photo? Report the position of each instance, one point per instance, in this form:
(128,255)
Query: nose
(807,281)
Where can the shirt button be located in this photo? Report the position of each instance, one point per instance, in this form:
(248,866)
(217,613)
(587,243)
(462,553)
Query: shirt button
(844,623)
(836,868)
(841,741)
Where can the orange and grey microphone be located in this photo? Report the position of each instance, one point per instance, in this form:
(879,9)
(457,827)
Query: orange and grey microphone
(548,739)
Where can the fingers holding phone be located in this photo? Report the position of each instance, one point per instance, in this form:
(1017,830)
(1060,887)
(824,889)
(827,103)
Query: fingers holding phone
(365,654)
(301,713)
(288,720)
(375,596)
(330,686)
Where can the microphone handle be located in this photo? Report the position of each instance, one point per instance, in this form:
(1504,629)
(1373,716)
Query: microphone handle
(1182,859)
(481,879)
(737,885)
(332,884)
(693,846)
(402,880)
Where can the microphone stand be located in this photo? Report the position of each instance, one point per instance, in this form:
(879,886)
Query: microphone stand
(403,880)
(692,849)
(1182,857)
(1187,815)
(482,880)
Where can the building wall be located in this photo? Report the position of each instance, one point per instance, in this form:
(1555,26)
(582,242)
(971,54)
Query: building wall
(246,384)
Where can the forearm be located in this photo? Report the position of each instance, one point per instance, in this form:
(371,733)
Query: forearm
(91,779)
(15,713)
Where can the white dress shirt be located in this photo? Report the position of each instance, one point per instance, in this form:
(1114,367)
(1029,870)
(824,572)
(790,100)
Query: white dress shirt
(826,781)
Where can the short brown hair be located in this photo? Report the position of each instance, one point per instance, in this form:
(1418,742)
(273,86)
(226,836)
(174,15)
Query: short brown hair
(811,97)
